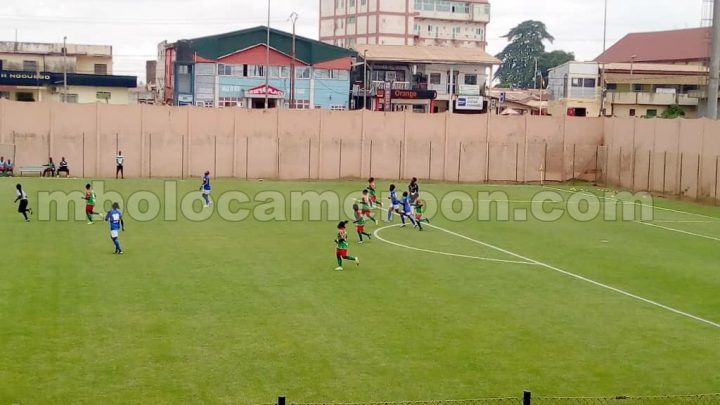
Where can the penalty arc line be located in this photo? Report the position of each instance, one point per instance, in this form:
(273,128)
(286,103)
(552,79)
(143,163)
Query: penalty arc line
(581,278)
(486,259)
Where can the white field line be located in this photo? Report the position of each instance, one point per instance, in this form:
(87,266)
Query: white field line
(636,203)
(667,228)
(678,230)
(582,278)
(487,259)
(657,221)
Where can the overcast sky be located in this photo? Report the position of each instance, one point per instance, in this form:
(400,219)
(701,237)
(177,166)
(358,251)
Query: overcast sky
(135,27)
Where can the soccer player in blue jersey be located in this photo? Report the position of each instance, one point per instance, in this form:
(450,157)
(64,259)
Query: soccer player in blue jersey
(114,217)
(206,189)
(394,203)
(407,211)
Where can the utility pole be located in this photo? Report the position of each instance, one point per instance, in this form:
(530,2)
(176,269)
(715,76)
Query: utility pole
(605,27)
(365,79)
(65,87)
(293,17)
(535,74)
(267,59)
(714,82)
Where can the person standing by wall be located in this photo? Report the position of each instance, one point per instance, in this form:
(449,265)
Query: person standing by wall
(119,165)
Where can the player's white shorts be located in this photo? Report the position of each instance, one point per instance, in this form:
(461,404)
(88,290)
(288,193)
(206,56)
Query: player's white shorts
(114,234)
(396,207)
(206,192)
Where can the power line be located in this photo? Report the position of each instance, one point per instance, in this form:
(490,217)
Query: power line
(127,21)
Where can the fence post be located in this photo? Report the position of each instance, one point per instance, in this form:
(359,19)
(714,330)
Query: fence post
(517,161)
(430,162)
(698,184)
(215,158)
(664,171)
(717,163)
(247,156)
(309,158)
(543,173)
(633,164)
(277,157)
(371,157)
(459,161)
(649,168)
(400,161)
(83,153)
(597,164)
(620,159)
(527,398)
(150,155)
(281,401)
(573,162)
(680,179)
(487,159)
(340,160)
(182,157)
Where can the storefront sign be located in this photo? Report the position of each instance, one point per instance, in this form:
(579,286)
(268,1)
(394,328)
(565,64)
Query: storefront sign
(262,90)
(185,98)
(24,78)
(470,103)
(414,94)
(103,95)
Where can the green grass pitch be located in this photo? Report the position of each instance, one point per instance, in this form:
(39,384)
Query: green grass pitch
(241,312)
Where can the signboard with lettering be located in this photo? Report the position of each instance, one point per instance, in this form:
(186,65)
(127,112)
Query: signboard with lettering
(103,95)
(414,94)
(25,78)
(475,103)
(261,90)
(468,90)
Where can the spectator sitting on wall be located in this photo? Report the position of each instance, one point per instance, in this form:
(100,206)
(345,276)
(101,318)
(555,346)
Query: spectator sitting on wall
(2,164)
(63,167)
(9,168)
(49,168)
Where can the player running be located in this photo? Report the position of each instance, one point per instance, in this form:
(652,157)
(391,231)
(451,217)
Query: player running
(360,224)
(114,217)
(23,207)
(407,212)
(394,203)
(373,192)
(420,210)
(341,252)
(90,199)
(366,203)
(414,190)
(205,188)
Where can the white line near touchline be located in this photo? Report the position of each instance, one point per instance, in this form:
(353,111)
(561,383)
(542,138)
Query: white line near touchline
(635,203)
(579,277)
(486,259)
(678,230)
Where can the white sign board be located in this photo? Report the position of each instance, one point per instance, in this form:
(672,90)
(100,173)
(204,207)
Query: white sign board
(470,103)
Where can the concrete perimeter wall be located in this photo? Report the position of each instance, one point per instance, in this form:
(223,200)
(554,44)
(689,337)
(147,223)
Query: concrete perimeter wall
(185,141)
(677,157)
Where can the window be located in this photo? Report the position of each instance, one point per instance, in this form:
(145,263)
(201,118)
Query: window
(611,86)
(30,66)
(302,72)
(255,71)
(69,98)
(651,113)
(224,70)
(351,3)
(205,69)
(429,28)
(480,32)
(26,97)
(182,69)
(637,87)
(321,74)
(5,95)
(435,78)
(100,69)
(632,112)
(576,82)
(363,2)
(456,30)
(589,83)
(300,104)
(471,80)
(279,72)
(2,62)
(351,19)
(230,102)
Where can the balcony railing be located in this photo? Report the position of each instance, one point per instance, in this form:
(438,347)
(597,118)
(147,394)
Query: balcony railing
(647,98)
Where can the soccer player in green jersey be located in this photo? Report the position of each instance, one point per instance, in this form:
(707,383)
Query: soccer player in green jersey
(90,203)
(420,210)
(360,224)
(373,192)
(365,203)
(341,251)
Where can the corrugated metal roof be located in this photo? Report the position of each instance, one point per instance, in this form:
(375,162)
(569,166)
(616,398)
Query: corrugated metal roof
(308,50)
(425,54)
(661,46)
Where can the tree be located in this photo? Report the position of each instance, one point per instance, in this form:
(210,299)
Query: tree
(518,58)
(673,111)
(549,60)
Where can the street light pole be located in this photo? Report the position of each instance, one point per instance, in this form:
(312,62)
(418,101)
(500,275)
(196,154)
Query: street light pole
(293,17)
(65,88)
(605,27)
(267,59)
